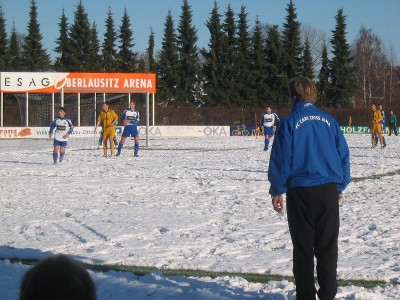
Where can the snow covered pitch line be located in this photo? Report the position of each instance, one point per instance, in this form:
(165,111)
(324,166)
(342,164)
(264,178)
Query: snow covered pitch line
(202,207)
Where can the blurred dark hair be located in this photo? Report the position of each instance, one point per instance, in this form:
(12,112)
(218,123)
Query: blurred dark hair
(57,277)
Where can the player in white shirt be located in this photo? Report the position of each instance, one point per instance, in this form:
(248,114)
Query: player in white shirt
(268,121)
(130,119)
(60,128)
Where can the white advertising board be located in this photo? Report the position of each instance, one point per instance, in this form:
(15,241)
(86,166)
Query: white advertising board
(88,131)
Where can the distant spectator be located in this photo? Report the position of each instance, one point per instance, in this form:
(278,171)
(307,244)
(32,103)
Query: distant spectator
(392,123)
(57,278)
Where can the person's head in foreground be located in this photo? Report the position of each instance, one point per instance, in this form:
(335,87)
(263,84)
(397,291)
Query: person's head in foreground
(302,89)
(57,278)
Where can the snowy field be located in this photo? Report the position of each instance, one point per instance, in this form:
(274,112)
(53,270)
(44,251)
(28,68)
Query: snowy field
(192,203)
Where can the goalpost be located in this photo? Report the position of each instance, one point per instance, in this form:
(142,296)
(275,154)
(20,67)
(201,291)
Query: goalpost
(38,96)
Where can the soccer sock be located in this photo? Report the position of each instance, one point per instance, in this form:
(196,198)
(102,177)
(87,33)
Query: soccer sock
(112,147)
(136,149)
(266,143)
(376,140)
(61,156)
(105,148)
(55,156)
(120,145)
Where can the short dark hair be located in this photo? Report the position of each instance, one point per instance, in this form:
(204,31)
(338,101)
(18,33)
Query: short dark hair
(62,108)
(57,277)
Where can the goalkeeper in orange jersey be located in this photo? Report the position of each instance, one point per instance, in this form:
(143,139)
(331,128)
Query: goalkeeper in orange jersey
(376,126)
(107,119)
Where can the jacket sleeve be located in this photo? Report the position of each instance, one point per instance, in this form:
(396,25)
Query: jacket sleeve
(114,116)
(71,127)
(277,120)
(52,127)
(280,160)
(99,119)
(123,117)
(344,156)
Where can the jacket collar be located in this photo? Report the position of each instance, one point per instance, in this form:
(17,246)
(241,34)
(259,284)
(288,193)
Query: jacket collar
(301,104)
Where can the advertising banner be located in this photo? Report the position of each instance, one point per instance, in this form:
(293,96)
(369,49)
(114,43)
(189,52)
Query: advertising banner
(88,131)
(356,129)
(243,130)
(39,82)
(156,131)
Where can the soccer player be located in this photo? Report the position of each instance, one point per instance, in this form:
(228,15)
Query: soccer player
(392,123)
(107,119)
(376,127)
(60,128)
(130,119)
(310,162)
(268,121)
(383,124)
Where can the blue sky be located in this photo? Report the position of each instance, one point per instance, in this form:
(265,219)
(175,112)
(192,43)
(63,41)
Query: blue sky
(380,16)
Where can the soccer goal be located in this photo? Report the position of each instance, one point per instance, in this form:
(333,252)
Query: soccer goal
(32,99)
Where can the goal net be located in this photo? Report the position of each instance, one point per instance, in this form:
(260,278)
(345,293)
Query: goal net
(82,109)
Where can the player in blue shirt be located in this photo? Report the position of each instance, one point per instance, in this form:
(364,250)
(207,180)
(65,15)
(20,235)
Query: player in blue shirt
(60,128)
(268,121)
(130,119)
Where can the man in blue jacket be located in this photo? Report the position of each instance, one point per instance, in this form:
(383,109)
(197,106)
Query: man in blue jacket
(310,163)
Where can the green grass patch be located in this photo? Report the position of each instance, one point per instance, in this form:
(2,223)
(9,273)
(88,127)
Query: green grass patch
(376,176)
(250,277)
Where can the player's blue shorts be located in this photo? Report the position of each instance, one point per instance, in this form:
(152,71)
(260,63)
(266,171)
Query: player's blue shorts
(130,130)
(269,130)
(60,143)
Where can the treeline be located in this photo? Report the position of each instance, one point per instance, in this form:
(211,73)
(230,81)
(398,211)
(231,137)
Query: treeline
(243,66)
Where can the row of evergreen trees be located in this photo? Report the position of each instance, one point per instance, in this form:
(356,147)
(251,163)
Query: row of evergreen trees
(240,67)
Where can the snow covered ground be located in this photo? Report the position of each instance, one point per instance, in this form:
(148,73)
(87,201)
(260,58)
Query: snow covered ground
(192,203)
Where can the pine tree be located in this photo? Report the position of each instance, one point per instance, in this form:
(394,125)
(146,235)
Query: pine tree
(14,59)
(212,69)
(109,52)
(243,60)
(229,57)
(292,42)
(3,40)
(342,73)
(141,64)
(188,89)
(258,65)
(95,60)
(150,52)
(63,47)
(307,62)
(80,39)
(323,77)
(127,57)
(35,57)
(167,67)
(276,77)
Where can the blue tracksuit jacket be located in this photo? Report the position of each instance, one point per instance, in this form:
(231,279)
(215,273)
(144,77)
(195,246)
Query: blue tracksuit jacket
(309,150)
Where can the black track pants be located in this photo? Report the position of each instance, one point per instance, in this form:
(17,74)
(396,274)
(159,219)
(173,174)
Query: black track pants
(313,216)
